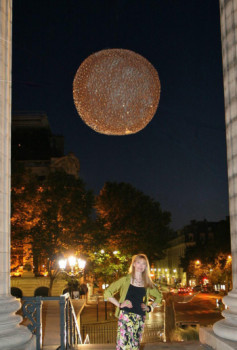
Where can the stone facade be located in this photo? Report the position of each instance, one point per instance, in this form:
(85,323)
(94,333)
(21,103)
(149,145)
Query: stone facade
(37,148)
(28,284)
(227,328)
(13,336)
(168,270)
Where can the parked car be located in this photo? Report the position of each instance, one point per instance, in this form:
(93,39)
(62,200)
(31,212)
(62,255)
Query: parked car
(197,288)
(207,288)
(185,290)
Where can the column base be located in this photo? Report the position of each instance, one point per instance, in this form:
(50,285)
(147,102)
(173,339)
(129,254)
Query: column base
(12,335)
(7,343)
(227,328)
(208,337)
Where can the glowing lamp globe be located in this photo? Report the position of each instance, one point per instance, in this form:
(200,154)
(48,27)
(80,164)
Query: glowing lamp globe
(116,91)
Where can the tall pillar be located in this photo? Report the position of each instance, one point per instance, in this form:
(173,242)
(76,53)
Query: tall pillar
(227,328)
(12,335)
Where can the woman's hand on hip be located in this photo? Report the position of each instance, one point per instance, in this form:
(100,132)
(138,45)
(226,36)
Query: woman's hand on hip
(144,307)
(126,303)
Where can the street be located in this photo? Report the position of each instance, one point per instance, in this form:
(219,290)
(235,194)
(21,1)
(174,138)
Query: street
(202,309)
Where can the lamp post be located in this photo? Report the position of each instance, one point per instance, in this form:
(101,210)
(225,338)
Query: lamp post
(75,266)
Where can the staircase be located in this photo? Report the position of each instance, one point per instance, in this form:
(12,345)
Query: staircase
(53,320)
(51,324)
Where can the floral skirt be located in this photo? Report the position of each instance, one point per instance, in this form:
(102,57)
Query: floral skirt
(130,329)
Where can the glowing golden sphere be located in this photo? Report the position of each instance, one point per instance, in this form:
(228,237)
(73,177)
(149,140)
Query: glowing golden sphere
(116,91)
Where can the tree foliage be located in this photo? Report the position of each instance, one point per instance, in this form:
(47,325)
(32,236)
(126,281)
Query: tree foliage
(55,214)
(108,266)
(133,221)
(221,273)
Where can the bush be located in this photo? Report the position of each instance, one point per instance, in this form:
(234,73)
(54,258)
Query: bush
(27,267)
(186,334)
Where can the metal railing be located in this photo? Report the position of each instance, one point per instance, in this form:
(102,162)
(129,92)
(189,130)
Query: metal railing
(106,332)
(152,333)
(100,333)
(69,329)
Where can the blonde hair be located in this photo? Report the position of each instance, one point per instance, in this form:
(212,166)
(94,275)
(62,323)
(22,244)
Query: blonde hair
(146,275)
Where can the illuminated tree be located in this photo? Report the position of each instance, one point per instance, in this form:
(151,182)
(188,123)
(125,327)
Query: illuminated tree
(108,265)
(56,215)
(65,207)
(221,272)
(25,213)
(134,222)
(217,272)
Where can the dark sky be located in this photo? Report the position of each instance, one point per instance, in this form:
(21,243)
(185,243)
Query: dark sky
(179,159)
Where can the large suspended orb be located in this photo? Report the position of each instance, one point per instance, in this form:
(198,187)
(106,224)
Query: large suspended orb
(116,91)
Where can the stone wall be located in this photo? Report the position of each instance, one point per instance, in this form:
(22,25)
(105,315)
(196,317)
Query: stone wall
(28,284)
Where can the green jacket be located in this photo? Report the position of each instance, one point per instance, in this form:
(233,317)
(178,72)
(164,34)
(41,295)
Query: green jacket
(122,286)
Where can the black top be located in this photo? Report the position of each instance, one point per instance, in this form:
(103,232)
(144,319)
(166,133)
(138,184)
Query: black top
(137,296)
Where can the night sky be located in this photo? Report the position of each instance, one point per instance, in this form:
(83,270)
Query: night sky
(179,159)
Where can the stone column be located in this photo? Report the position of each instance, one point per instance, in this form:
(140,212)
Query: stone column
(12,336)
(227,328)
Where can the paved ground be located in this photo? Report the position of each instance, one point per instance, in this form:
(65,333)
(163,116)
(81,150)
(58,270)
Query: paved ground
(51,331)
(155,346)
(201,309)
(90,315)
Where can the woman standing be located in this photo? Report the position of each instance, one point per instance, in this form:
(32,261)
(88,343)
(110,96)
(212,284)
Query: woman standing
(132,309)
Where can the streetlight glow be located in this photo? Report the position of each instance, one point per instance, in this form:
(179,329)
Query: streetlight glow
(62,263)
(77,265)
(72,261)
(81,263)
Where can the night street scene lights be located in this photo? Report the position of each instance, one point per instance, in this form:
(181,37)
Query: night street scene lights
(76,266)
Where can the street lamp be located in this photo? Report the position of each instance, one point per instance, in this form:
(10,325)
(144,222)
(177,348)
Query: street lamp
(77,266)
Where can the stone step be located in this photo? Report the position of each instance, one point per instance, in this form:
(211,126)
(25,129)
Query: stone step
(192,345)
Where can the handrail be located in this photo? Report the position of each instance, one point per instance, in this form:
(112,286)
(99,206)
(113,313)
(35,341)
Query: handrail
(69,330)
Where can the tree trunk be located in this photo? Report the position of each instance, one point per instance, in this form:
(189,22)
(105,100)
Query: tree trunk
(51,280)
(36,263)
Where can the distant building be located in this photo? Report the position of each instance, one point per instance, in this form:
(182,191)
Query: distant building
(40,151)
(37,148)
(168,270)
